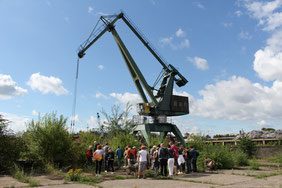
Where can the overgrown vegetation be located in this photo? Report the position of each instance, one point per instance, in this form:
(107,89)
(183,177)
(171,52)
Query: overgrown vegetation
(247,146)
(11,146)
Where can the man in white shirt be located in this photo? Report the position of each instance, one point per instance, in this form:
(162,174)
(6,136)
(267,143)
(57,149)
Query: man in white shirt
(143,159)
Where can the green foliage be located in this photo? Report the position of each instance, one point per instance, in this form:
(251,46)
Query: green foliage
(247,146)
(22,177)
(118,122)
(122,140)
(10,146)
(48,140)
(254,165)
(240,159)
(276,159)
(89,180)
(268,129)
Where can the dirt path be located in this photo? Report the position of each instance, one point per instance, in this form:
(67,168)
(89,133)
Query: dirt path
(221,178)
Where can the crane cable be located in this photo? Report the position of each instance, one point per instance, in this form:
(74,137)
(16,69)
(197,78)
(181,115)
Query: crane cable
(74,98)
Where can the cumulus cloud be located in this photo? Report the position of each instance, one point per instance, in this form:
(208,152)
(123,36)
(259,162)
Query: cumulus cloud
(35,113)
(227,24)
(199,5)
(9,88)
(101,95)
(265,13)
(101,67)
(238,13)
(90,9)
(76,119)
(16,123)
(180,33)
(245,35)
(263,123)
(174,43)
(239,99)
(125,98)
(199,62)
(92,122)
(46,84)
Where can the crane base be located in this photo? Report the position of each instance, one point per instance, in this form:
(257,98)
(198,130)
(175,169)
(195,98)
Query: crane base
(162,128)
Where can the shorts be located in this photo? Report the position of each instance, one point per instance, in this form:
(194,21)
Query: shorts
(142,166)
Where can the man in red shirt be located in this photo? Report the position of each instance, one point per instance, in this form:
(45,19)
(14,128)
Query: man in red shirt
(175,155)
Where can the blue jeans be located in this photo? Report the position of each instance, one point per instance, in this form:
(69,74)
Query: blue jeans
(188,163)
(118,162)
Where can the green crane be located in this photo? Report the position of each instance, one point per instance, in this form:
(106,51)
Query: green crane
(162,101)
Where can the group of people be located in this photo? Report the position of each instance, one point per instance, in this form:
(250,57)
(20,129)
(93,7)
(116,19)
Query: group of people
(158,158)
(173,159)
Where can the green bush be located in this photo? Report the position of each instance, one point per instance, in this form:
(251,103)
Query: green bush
(10,146)
(254,165)
(240,159)
(247,146)
(48,140)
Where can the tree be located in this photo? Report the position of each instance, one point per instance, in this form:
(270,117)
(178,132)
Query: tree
(247,146)
(10,146)
(118,122)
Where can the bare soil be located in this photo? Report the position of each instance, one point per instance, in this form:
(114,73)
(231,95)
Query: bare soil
(266,177)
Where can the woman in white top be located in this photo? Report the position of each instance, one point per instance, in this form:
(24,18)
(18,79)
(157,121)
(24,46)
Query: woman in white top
(143,157)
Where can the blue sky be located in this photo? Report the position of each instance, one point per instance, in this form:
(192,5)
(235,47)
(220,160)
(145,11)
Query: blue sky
(230,51)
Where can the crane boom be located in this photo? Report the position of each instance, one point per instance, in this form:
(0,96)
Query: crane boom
(164,102)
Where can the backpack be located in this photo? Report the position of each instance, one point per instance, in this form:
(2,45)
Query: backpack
(89,154)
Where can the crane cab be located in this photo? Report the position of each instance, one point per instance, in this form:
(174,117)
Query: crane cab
(143,108)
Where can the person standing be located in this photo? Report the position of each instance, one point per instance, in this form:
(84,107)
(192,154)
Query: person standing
(170,161)
(181,161)
(89,155)
(143,160)
(119,153)
(105,148)
(98,156)
(188,157)
(156,160)
(163,156)
(194,155)
(175,155)
(111,158)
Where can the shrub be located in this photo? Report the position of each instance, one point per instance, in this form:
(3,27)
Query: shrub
(48,140)
(247,146)
(254,165)
(240,159)
(74,175)
(10,146)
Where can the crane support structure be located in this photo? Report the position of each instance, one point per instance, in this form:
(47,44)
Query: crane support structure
(162,102)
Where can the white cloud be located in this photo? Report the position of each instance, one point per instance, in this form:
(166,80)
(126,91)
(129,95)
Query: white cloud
(239,99)
(238,13)
(76,119)
(101,95)
(16,123)
(9,88)
(125,98)
(227,24)
(46,84)
(102,13)
(199,62)
(90,9)
(93,122)
(263,123)
(265,13)
(101,67)
(35,113)
(199,5)
(245,35)
(180,33)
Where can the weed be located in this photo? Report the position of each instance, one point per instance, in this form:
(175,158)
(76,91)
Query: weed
(254,165)
(119,177)
(89,180)
(33,183)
